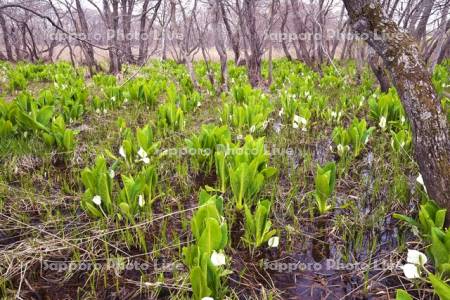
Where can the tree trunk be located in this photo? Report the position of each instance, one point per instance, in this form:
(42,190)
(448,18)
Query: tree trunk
(380,72)
(219,44)
(9,53)
(254,40)
(233,38)
(282,28)
(413,83)
(112,23)
(88,50)
(126,11)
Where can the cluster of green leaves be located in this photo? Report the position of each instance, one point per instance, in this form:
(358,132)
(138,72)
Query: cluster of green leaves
(387,110)
(356,135)
(203,146)
(325,181)
(332,79)
(17,81)
(136,196)
(47,114)
(8,126)
(188,99)
(137,147)
(294,112)
(170,118)
(245,169)
(210,232)
(258,225)
(31,116)
(441,75)
(60,135)
(431,227)
(98,182)
(401,141)
(249,110)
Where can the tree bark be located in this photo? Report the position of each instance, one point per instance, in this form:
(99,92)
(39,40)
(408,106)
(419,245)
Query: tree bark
(282,29)
(413,83)
(233,38)
(88,49)
(9,53)
(219,42)
(380,72)
(255,43)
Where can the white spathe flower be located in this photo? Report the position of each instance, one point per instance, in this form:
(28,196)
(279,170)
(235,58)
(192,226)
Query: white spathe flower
(142,153)
(252,129)
(122,152)
(333,114)
(207,298)
(146,160)
(199,104)
(141,201)
(112,174)
(411,271)
(97,200)
(217,259)
(340,148)
(113,98)
(420,180)
(280,113)
(402,119)
(300,120)
(273,242)
(382,123)
(295,125)
(416,257)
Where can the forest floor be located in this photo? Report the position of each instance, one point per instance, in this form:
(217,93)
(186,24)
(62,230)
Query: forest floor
(353,250)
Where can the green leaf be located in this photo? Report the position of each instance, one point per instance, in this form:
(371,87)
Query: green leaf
(199,284)
(407,219)
(211,237)
(402,295)
(438,249)
(440,287)
(439,218)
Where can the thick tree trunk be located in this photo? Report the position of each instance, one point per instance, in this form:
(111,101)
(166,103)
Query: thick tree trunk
(219,42)
(9,53)
(112,23)
(255,43)
(412,81)
(126,11)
